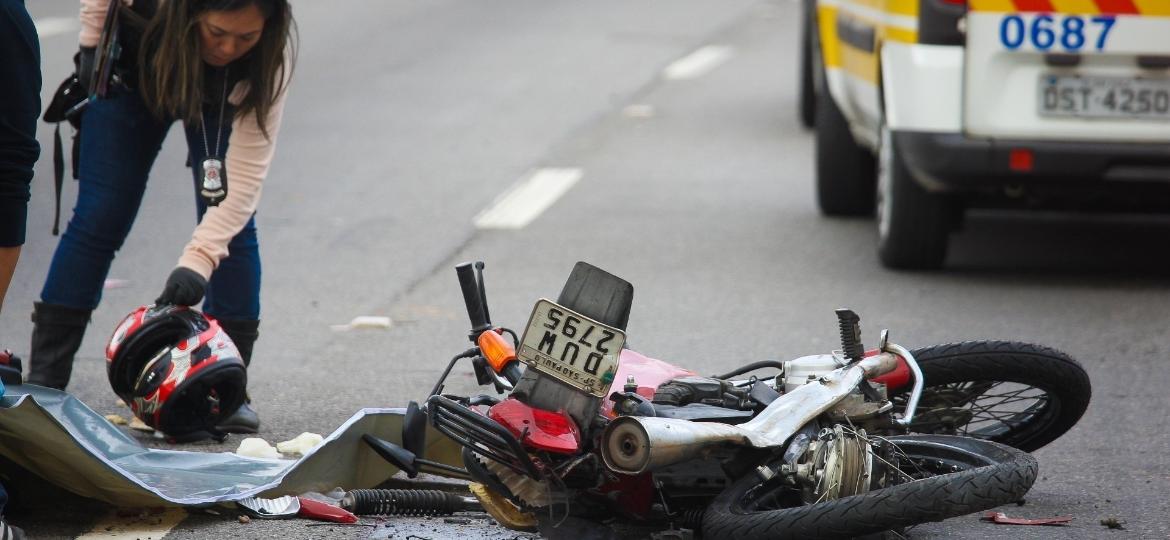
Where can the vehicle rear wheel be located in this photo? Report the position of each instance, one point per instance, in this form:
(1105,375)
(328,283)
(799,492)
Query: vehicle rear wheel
(941,477)
(844,168)
(913,224)
(1013,393)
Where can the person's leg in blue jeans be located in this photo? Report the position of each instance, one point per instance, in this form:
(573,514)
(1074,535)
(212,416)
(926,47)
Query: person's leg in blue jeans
(120,140)
(233,292)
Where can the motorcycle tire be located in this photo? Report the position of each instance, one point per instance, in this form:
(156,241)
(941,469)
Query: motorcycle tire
(1013,393)
(978,475)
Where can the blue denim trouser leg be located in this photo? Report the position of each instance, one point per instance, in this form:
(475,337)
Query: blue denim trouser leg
(233,293)
(120,140)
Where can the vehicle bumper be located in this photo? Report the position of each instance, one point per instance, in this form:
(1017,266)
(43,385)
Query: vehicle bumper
(956,162)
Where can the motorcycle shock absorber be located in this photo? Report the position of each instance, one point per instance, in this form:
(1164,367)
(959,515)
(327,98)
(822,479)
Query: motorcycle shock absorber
(406,502)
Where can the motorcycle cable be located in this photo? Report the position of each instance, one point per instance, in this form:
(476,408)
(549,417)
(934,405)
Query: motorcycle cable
(752,367)
(469,353)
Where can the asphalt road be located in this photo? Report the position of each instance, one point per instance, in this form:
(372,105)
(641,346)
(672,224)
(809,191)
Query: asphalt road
(407,119)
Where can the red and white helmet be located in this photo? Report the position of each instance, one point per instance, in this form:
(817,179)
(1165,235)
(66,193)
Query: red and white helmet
(177,369)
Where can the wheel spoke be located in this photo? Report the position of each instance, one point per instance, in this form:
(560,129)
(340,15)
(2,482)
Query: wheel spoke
(994,407)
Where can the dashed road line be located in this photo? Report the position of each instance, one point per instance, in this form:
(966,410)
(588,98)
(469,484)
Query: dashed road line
(698,63)
(528,198)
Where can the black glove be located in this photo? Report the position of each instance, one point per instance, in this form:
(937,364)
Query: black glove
(83,64)
(184,288)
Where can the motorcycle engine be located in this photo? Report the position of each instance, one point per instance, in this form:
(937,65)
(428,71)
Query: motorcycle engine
(809,368)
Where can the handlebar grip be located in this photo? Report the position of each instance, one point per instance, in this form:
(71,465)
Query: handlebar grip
(476,311)
(512,372)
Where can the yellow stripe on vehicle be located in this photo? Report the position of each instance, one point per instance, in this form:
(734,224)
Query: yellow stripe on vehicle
(1002,6)
(900,34)
(1079,7)
(1160,8)
(830,48)
(860,64)
(895,7)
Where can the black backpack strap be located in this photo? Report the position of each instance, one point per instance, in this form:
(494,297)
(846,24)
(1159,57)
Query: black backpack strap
(59,176)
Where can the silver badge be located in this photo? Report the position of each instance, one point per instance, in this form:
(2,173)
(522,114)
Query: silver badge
(213,190)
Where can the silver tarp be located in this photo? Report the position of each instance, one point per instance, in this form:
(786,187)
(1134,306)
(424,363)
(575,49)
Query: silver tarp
(56,436)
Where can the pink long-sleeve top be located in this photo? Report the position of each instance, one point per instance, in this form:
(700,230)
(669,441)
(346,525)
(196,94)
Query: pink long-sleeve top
(249,154)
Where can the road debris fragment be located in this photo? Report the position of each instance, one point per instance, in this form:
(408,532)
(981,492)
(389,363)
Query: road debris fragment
(138,424)
(299,445)
(257,447)
(1003,519)
(364,322)
(116,419)
(1113,523)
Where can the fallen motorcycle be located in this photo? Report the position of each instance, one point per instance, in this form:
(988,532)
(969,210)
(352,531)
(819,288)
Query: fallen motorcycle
(833,445)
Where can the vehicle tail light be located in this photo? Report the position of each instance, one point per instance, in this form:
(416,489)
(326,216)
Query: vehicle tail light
(1021,160)
(498,350)
(537,428)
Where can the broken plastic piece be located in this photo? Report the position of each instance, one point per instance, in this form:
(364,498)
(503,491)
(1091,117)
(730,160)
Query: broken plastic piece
(300,445)
(1002,519)
(327,512)
(257,447)
(138,424)
(280,507)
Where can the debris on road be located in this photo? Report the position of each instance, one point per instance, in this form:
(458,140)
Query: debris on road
(299,445)
(257,447)
(364,322)
(1113,523)
(116,419)
(1002,519)
(138,424)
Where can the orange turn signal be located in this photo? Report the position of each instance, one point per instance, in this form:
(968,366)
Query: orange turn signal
(497,349)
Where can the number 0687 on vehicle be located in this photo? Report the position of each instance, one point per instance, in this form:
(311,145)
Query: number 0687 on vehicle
(571,347)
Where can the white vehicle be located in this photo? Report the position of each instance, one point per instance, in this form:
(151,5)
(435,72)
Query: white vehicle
(925,107)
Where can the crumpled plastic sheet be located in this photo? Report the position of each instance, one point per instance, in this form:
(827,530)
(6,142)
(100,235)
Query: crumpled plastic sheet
(55,435)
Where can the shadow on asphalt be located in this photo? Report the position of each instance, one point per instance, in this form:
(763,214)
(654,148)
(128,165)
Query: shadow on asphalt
(1044,245)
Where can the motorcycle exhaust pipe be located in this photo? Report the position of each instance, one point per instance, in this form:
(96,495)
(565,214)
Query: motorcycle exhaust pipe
(636,444)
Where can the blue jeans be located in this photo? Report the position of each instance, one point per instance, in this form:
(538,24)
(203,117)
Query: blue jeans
(120,139)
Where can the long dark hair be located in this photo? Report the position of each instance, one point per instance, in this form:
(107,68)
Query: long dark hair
(172,73)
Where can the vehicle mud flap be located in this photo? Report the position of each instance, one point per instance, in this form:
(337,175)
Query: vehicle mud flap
(598,294)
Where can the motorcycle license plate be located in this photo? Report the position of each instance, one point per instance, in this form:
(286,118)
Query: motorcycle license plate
(571,347)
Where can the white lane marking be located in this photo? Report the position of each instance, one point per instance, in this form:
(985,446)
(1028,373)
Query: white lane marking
(51,26)
(527,199)
(146,526)
(697,63)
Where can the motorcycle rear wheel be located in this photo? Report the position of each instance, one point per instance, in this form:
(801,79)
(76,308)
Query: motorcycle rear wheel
(1013,393)
(953,476)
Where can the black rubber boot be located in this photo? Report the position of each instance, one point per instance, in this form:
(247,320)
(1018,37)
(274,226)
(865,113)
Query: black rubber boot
(243,333)
(56,337)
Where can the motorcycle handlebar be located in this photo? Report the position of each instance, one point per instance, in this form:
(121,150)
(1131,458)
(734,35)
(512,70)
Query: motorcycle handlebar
(474,297)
